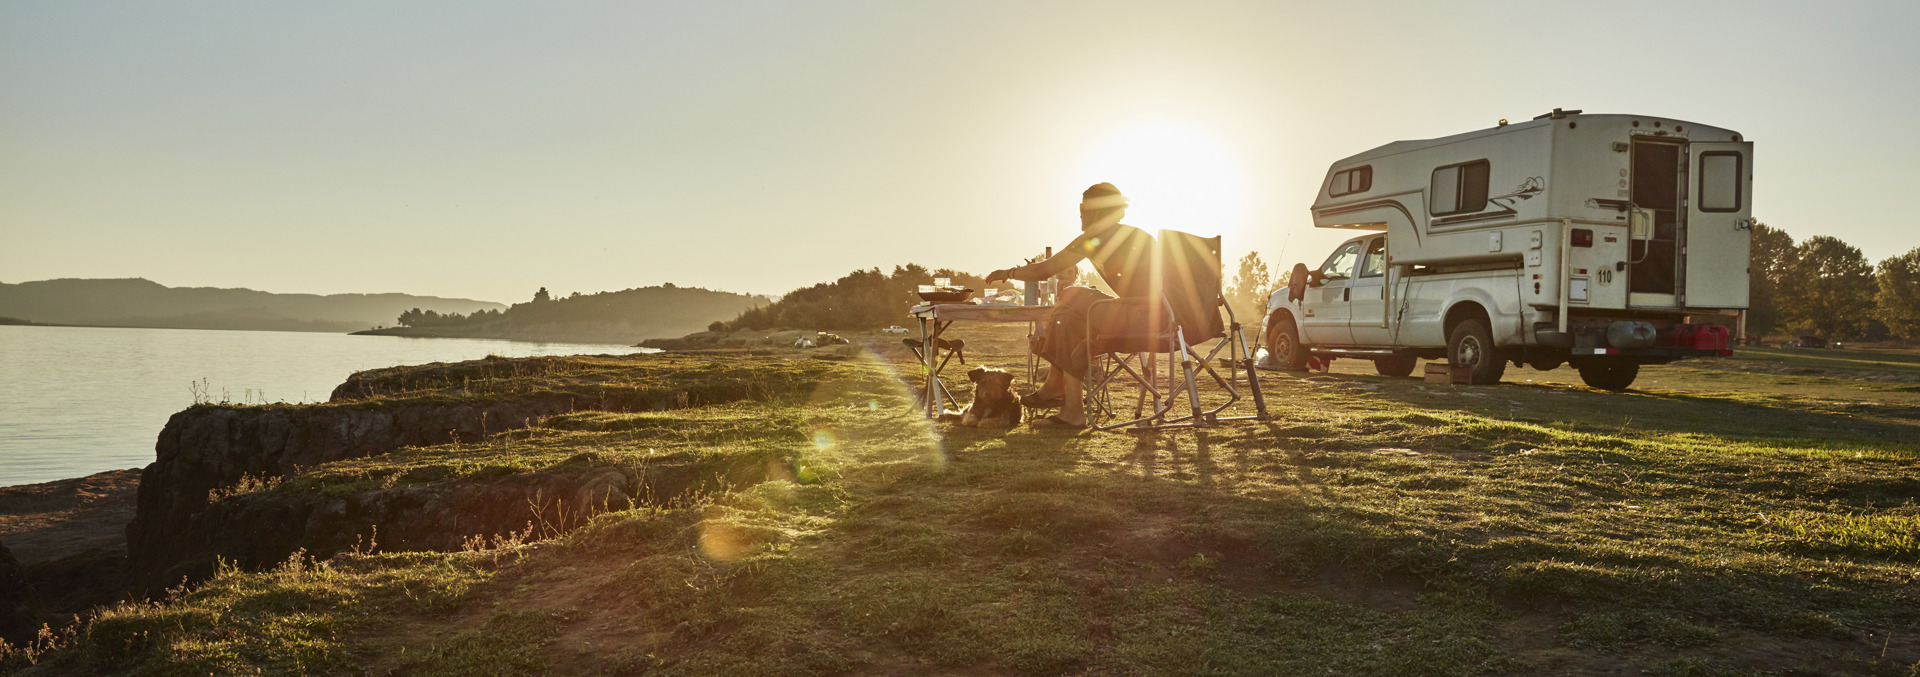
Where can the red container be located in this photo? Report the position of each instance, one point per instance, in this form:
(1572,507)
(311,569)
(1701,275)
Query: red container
(1698,337)
(1711,337)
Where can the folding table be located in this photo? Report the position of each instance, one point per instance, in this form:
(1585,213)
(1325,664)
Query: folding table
(935,318)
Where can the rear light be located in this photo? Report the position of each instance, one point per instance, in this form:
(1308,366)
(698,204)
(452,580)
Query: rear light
(1582,237)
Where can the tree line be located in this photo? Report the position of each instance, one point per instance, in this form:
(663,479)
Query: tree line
(1825,287)
(666,302)
(862,299)
(1820,286)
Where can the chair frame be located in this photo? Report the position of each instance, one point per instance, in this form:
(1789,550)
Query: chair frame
(1105,368)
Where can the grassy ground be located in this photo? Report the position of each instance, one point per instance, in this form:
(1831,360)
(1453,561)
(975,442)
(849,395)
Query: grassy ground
(1754,515)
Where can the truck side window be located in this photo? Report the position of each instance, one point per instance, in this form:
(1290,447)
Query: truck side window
(1340,265)
(1376,264)
(1461,188)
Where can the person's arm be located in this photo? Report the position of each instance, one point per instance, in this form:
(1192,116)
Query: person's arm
(1068,257)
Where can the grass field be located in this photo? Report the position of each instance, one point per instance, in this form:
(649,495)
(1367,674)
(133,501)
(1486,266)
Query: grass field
(1752,515)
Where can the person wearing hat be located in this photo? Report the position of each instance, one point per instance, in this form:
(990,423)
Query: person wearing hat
(1120,254)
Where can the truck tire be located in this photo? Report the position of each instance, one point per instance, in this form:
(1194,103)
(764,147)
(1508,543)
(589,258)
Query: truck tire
(1609,376)
(1283,345)
(1396,366)
(1471,345)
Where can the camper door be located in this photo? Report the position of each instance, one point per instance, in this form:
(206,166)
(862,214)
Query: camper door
(1719,235)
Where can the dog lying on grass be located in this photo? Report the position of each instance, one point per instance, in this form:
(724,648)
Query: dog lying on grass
(994,405)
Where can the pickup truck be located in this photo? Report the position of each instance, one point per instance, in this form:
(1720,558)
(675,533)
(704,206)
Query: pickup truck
(1600,242)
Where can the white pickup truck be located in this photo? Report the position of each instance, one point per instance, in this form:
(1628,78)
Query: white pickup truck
(1596,241)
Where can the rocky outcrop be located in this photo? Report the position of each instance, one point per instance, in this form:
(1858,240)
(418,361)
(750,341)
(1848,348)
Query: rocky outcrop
(16,620)
(207,449)
(262,528)
(207,452)
(68,538)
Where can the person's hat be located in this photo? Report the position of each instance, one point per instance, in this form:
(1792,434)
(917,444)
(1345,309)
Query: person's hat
(1102,196)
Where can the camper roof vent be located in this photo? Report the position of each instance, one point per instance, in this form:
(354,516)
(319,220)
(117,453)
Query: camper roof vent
(1556,114)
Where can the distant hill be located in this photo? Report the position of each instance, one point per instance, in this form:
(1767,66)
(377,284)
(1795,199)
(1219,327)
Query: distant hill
(625,316)
(143,303)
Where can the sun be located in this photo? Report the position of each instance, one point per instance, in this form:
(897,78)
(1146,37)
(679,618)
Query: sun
(1175,177)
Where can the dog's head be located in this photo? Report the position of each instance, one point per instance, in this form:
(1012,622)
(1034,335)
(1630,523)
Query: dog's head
(990,383)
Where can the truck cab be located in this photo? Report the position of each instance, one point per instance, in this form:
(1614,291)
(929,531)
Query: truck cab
(1602,242)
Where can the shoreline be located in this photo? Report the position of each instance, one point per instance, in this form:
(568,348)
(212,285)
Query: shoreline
(434,333)
(363,332)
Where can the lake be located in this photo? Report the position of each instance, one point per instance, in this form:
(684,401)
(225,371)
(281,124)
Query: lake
(79,400)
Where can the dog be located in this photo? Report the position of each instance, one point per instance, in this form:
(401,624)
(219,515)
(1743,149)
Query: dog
(994,405)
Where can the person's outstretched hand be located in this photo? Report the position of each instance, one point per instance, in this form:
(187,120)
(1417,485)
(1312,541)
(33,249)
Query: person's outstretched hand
(999,275)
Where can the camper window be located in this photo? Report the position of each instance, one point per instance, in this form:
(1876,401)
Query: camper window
(1461,188)
(1348,182)
(1720,181)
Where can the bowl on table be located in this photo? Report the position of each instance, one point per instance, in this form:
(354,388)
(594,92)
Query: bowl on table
(932,294)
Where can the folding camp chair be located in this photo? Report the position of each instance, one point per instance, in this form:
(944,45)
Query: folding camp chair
(1182,310)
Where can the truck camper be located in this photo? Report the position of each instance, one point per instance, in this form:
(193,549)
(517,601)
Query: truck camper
(1601,242)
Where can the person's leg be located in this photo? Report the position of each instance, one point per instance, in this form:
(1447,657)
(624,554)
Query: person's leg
(1066,352)
(1073,407)
(1058,330)
(1053,385)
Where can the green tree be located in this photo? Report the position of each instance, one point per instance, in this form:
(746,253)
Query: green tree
(1830,292)
(1899,299)
(863,299)
(1773,260)
(1251,286)
(542,296)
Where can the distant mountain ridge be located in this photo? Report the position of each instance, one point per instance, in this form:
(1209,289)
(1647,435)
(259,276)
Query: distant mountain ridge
(138,302)
(623,316)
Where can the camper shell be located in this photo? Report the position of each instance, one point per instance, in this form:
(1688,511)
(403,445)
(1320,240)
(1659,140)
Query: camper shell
(1552,231)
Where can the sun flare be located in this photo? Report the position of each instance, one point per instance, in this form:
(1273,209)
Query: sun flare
(1175,177)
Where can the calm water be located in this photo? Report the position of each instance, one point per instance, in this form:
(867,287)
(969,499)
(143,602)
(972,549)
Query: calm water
(79,400)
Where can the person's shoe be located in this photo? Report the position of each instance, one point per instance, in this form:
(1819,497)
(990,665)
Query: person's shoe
(1035,400)
(1056,423)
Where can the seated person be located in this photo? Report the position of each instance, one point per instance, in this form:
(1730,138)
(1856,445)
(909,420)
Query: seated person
(1121,254)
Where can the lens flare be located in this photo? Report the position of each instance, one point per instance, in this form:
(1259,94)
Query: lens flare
(728,542)
(899,430)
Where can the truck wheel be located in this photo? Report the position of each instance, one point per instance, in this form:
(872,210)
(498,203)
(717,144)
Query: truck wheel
(1398,365)
(1471,345)
(1609,376)
(1283,345)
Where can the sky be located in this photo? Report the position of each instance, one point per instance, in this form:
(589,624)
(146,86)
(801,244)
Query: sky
(483,149)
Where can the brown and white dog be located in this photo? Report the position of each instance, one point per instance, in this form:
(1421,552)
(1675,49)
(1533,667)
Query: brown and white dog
(994,405)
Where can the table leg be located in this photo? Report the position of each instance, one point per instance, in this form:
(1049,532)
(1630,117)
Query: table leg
(926,353)
(1032,364)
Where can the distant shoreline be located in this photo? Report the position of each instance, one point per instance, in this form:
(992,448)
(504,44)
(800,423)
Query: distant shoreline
(445,333)
(369,332)
(25,323)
